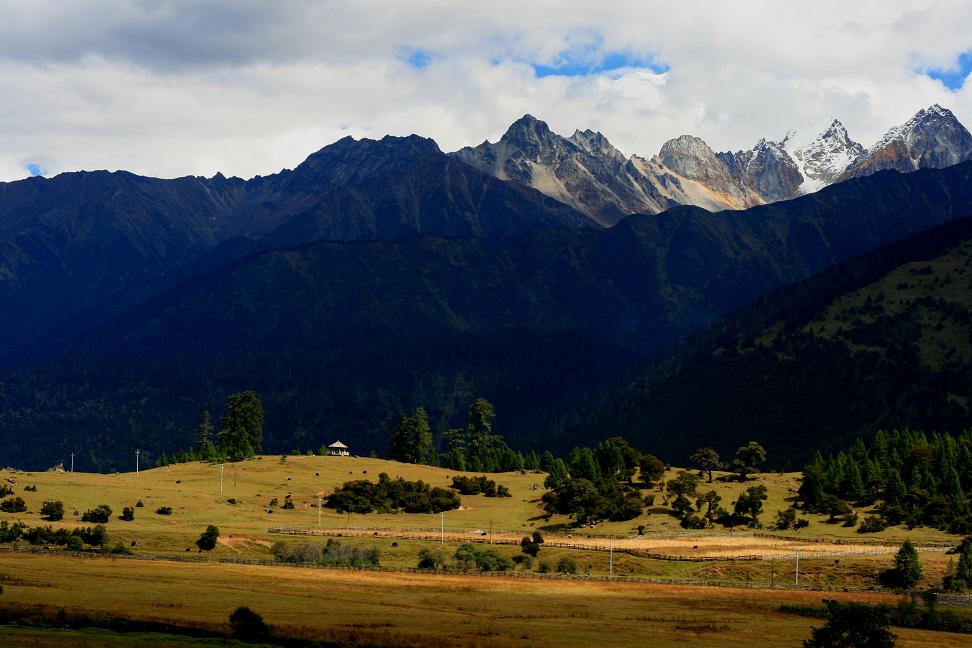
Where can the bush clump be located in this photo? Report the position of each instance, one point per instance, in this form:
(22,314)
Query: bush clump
(388,495)
(566,565)
(13,505)
(247,625)
(53,510)
(164,510)
(479,485)
(98,515)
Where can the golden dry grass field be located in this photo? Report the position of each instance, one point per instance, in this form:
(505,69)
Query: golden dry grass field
(193,492)
(413,610)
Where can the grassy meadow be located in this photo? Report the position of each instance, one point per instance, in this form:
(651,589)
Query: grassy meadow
(416,610)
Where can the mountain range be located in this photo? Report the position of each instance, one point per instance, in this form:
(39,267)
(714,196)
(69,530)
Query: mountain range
(588,173)
(380,274)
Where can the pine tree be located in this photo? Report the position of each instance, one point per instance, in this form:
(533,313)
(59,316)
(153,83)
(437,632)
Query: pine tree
(204,434)
(907,567)
(963,572)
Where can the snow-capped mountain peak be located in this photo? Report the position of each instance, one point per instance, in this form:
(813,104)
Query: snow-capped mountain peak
(822,153)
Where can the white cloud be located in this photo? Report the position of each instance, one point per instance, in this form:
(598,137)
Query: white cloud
(244,88)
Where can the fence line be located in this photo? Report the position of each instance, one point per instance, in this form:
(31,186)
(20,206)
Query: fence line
(946,599)
(427,535)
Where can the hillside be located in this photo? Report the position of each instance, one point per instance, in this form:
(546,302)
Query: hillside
(882,341)
(81,248)
(338,338)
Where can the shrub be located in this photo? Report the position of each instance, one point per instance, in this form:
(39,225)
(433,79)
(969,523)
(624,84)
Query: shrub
(802,523)
(164,510)
(128,514)
(99,514)
(247,624)
(5,490)
(53,510)
(469,556)
(139,504)
(872,524)
(852,624)
(13,505)
(850,520)
(119,548)
(430,559)
(544,567)
(74,543)
(567,565)
(693,522)
(207,541)
(32,488)
(288,503)
(479,485)
(96,536)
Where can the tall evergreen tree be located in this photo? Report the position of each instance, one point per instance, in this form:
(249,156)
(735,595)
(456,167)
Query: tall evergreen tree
(907,567)
(241,428)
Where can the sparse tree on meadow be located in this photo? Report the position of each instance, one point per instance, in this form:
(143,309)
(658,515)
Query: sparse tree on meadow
(207,541)
(748,459)
(707,460)
(650,469)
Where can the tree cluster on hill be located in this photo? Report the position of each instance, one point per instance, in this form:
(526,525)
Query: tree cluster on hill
(479,485)
(334,552)
(390,495)
(240,435)
(73,539)
(473,447)
(597,484)
(914,479)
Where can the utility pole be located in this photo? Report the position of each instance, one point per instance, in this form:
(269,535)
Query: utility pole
(798,567)
(137,452)
(72,462)
(220,478)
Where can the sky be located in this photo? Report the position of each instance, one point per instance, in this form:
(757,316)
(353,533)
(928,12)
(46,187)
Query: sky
(247,87)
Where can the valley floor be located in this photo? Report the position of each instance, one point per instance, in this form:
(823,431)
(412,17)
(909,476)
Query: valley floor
(388,609)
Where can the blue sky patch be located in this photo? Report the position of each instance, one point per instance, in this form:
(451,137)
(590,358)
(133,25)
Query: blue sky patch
(954,78)
(419,59)
(35,170)
(572,64)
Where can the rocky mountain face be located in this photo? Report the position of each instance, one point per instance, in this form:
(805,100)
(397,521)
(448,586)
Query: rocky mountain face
(584,170)
(821,156)
(588,173)
(934,138)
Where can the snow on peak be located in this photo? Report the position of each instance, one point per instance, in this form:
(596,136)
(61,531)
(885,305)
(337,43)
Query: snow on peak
(821,152)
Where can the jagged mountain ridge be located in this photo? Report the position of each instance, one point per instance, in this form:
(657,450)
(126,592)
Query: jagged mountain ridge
(101,242)
(588,173)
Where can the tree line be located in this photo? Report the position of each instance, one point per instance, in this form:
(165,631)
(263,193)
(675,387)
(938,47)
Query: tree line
(240,434)
(913,478)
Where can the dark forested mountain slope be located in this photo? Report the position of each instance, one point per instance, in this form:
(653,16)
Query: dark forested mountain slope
(882,341)
(341,336)
(81,247)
